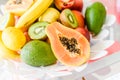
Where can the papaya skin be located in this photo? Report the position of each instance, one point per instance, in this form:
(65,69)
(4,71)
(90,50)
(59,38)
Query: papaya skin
(95,16)
(53,31)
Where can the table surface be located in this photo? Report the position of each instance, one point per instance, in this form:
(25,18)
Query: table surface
(109,60)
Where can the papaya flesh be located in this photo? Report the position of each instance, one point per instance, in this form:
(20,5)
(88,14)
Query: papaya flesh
(69,46)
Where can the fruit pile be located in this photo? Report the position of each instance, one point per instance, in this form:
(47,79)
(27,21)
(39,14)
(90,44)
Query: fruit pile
(40,33)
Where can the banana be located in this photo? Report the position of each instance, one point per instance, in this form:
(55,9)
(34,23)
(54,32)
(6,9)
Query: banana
(33,13)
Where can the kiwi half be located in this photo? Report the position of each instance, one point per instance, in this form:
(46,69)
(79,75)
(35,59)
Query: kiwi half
(68,18)
(37,30)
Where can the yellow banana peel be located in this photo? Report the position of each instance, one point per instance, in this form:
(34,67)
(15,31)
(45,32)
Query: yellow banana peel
(33,13)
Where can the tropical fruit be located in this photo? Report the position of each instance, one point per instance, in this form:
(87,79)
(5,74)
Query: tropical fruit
(37,30)
(37,53)
(7,53)
(6,20)
(36,10)
(13,38)
(95,16)
(50,15)
(18,7)
(68,18)
(79,18)
(69,46)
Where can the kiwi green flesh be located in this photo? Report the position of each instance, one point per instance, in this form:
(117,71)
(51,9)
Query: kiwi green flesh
(37,30)
(71,19)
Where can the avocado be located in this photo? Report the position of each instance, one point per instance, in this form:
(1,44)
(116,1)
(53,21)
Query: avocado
(37,53)
(95,16)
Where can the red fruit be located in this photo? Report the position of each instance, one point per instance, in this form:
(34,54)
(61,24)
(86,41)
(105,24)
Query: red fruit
(27,36)
(78,5)
(63,4)
(80,18)
(84,31)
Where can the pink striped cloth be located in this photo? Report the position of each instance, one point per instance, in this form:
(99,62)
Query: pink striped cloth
(113,7)
(115,47)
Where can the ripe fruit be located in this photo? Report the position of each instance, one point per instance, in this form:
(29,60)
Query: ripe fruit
(13,38)
(68,18)
(37,30)
(6,20)
(80,18)
(18,7)
(95,16)
(71,4)
(78,5)
(69,46)
(30,16)
(7,53)
(37,53)
(50,15)
(84,31)
(63,4)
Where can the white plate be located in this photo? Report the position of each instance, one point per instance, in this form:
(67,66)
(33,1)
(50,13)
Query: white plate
(20,71)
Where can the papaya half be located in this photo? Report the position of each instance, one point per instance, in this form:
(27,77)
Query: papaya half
(69,46)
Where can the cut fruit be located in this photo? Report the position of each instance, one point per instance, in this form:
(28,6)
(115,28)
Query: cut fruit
(37,30)
(18,7)
(68,18)
(6,20)
(69,46)
(37,53)
(80,18)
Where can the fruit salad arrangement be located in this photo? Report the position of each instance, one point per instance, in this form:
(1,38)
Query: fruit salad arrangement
(42,32)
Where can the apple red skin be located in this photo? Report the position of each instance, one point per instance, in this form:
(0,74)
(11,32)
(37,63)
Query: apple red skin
(71,4)
(80,18)
(85,32)
(78,5)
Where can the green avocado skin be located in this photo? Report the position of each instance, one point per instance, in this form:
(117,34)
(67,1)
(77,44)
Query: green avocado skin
(95,16)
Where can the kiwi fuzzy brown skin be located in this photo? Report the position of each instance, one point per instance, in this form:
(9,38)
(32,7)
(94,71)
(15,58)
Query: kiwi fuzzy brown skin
(68,19)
